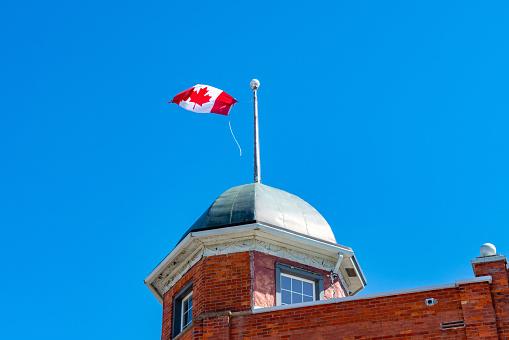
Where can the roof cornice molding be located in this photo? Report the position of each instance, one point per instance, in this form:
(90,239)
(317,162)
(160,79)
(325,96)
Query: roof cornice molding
(255,236)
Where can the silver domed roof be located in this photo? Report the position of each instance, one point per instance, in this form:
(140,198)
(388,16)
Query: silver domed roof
(260,203)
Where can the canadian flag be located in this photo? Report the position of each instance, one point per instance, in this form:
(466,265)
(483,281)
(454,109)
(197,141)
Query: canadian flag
(205,99)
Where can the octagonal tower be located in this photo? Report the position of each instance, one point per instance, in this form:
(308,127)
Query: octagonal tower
(254,247)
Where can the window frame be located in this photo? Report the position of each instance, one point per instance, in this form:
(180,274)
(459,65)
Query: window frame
(301,274)
(293,277)
(178,300)
(182,311)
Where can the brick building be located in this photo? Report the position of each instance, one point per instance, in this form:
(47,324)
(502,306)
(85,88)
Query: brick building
(262,263)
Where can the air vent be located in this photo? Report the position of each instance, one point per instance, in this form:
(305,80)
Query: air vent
(452,325)
(350,272)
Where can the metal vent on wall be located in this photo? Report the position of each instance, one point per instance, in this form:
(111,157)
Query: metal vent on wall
(452,324)
(350,272)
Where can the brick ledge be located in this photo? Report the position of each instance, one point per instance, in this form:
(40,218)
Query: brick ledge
(375,295)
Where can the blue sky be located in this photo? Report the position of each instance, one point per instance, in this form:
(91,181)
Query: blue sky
(390,118)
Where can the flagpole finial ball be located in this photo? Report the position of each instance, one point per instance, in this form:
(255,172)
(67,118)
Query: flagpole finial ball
(488,249)
(255,84)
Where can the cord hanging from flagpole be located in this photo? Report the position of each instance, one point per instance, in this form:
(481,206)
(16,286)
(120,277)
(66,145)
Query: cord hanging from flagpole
(229,124)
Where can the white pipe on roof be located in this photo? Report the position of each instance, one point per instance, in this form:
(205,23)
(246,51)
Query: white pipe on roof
(338,264)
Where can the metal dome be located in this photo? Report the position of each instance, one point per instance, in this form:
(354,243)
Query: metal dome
(259,203)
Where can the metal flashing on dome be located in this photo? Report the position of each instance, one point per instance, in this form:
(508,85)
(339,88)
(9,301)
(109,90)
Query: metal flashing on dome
(259,203)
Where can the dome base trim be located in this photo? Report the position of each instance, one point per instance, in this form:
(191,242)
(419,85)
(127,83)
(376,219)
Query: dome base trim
(258,222)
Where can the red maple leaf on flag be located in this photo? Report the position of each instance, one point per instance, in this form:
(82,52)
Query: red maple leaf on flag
(201,97)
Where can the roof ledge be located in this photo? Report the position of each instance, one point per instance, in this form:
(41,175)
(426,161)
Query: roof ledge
(374,295)
(245,238)
(493,258)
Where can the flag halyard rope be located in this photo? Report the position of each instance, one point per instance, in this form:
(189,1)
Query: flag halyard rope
(229,124)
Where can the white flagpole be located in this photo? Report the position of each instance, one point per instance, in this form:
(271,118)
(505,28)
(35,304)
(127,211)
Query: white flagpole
(257,171)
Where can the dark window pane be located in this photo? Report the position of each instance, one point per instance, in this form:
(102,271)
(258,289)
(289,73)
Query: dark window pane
(296,298)
(286,283)
(307,298)
(185,319)
(190,314)
(307,288)
(296,286)
(286,297)
(191,302)
(185,305)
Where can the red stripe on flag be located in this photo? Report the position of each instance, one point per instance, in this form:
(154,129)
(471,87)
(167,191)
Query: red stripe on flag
(182,96)
(223,104)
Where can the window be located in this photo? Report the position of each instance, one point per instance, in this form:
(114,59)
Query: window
(295,285)
(183,309)
(187,311)
(296,290)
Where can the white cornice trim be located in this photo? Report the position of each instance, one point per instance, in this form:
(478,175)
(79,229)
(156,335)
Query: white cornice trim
(283,235)
(254,245)
(271,249)
(253,236)
(167,259)
(183,269)
(155,292)
(250,227)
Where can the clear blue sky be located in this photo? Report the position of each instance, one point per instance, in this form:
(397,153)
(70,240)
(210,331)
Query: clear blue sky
(390,118)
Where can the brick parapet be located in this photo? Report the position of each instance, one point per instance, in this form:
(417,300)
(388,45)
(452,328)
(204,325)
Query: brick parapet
(499,290)
(478,311)
(399,316)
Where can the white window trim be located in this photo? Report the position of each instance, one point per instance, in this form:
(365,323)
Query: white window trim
(178,303)
(300,279)
(182,326)
(286,270)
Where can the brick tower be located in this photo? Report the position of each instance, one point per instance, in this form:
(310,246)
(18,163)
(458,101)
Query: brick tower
(255,248)
(261,263)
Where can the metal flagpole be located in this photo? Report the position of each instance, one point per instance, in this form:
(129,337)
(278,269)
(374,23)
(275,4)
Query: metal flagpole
(257,171)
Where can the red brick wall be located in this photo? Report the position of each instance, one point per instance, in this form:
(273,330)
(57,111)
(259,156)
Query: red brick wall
(220,283)
(392,317)
(499,292)
(226,283)
(188,334)
(478,311)
(223,283)
(222,304)
(192,275)
(403,316)
(216,327)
